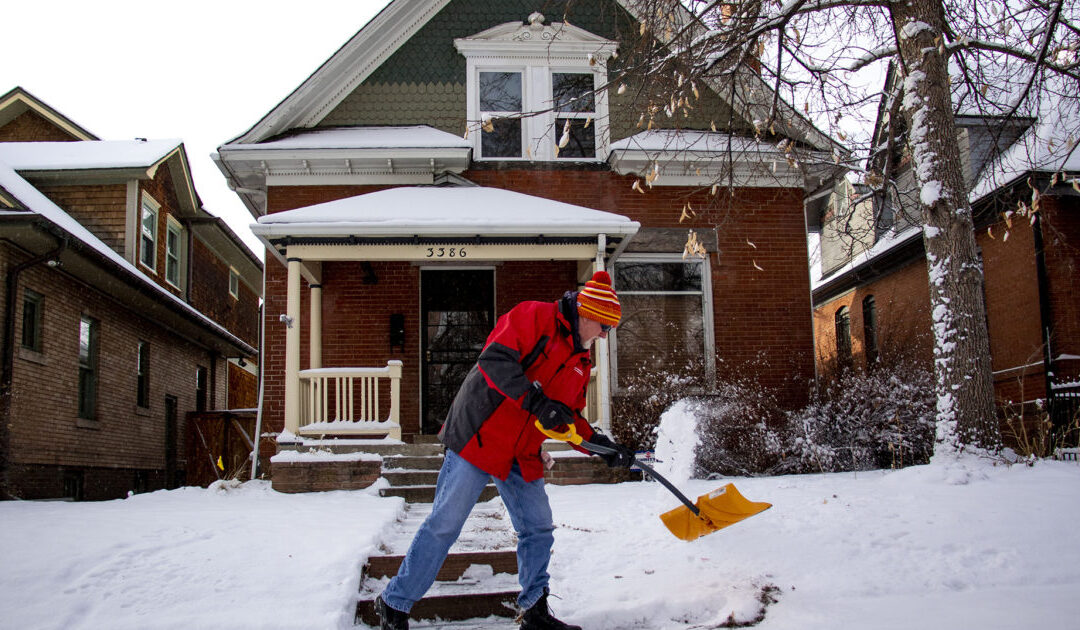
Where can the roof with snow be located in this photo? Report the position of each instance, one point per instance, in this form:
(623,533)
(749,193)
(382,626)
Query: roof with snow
(406,137)
(32,203)
(444,211)
(86,155)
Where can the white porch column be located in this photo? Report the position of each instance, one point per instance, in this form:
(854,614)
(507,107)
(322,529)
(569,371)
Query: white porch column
(292,349)
(315,327)
(603,360)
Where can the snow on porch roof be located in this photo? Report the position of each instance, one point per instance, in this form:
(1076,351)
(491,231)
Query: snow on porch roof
(444,211)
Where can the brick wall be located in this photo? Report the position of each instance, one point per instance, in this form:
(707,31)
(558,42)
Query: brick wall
(902,304)
(31,126)
(1061,241)
(760,291)
(1012,302)
(47,437)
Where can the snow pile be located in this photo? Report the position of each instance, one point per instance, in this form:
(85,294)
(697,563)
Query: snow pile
(677,441)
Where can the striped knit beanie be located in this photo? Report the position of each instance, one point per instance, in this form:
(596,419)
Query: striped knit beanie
(598,301)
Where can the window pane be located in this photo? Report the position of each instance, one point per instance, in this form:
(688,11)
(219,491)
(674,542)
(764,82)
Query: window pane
(665,330)
(572,92)
(635,276)
(582,140)
(500,91)
(142,394)
(31,322)
(148,256)
(504,140)
(172,256)
(85,340)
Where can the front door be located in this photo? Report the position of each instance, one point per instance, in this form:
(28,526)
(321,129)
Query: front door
(457,314)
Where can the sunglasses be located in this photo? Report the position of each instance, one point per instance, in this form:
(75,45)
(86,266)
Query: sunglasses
(605,328)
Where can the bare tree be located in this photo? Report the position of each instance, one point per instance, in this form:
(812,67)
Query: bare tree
(824,61)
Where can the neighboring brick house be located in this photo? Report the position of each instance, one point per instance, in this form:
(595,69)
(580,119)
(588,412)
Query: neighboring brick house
(872,300)
(127,307)
(394,238)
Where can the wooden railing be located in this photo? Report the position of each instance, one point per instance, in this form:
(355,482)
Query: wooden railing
(351,401)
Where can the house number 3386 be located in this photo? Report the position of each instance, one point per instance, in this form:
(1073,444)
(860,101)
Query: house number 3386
(446,252)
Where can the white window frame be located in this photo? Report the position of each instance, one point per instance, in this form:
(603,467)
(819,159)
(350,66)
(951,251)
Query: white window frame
(234,283)
(537,52)
(148,204)
(173,227)
(709,341)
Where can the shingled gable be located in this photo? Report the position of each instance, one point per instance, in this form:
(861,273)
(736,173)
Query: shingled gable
(396,24)
(18,102)
(386,76)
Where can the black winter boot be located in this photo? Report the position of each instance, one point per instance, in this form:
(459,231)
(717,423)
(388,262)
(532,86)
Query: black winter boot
(539,617)
(390,618)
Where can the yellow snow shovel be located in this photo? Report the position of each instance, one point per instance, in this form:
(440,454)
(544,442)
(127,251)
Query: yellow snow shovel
(713,511)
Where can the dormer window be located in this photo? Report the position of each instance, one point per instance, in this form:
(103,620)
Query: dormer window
(532,92)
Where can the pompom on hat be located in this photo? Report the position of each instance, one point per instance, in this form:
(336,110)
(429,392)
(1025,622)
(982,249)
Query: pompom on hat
(598,301)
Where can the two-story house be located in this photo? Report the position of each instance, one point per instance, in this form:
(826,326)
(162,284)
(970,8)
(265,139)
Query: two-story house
(456,157)
(872,301)
(126,307)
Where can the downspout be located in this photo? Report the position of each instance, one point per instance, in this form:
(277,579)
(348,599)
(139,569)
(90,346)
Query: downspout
(257,438)
(8,376)
(1045,320)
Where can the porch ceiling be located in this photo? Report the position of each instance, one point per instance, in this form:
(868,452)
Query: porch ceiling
(444,224)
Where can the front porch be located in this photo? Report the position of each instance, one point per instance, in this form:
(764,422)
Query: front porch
(384,360)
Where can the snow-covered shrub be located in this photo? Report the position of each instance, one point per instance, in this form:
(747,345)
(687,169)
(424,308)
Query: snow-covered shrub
(647,392)
(737,426)
(860,420)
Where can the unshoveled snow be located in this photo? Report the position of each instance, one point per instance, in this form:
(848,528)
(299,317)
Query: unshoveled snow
(959,543)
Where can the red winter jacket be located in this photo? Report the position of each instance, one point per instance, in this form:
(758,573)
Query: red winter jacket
(486,423)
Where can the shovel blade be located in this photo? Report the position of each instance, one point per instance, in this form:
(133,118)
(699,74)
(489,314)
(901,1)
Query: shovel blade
(718,509)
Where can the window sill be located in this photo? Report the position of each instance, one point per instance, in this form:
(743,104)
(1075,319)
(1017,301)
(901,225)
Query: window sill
(87,423)
(145,412)
(32,356)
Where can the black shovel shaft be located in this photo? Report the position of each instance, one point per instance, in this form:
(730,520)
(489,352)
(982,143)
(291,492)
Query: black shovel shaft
(604,450)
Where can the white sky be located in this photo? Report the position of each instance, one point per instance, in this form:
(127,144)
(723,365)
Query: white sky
(200,71)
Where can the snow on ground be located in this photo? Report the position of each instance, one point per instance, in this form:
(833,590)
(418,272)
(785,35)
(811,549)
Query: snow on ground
(954,544)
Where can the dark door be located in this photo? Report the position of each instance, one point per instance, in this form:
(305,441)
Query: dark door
(457,313)
(170,442)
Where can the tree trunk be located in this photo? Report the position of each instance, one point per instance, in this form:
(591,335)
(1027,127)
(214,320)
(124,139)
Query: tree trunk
(963,374)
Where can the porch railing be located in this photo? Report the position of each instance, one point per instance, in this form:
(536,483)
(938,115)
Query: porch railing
(351,401)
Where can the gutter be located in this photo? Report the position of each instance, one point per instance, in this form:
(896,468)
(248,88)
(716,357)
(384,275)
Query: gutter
(7,377)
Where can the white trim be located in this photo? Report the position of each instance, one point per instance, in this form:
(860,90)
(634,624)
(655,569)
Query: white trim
(174,226)
(233,273)
(537,51)
(148,202)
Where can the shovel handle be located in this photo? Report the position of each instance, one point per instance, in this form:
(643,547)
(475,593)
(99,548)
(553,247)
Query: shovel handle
(573,437)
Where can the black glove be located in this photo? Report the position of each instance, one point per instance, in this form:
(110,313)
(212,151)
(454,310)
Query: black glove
(551,413)
(619,457)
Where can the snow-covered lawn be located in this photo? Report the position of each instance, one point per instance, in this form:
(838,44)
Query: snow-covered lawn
(950,545)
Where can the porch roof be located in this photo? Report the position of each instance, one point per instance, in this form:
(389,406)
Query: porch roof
(444,211)
(420,213)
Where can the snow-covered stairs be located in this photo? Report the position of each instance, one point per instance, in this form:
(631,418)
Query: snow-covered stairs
(413,471)
(477,584)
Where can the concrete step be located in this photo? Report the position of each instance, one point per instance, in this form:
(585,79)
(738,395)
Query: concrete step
(504,561)
(459,606)
(412,462)
(403,477)
(426,494)
(378,447)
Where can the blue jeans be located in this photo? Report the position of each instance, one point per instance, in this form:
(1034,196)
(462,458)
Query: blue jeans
(459,486)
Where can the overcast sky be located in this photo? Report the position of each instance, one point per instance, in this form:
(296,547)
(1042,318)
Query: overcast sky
(203,72)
